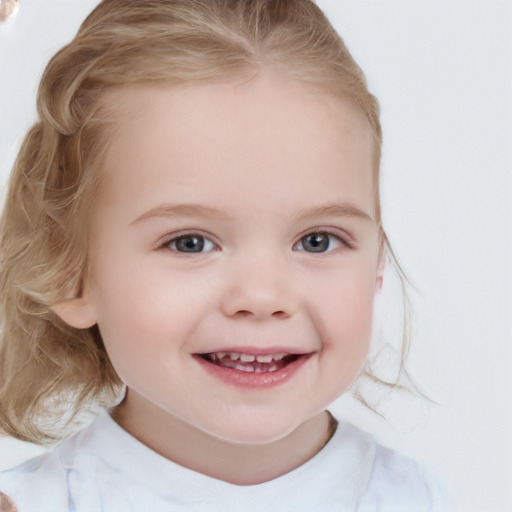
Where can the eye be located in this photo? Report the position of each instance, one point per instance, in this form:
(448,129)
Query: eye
(190,243)
(320,242)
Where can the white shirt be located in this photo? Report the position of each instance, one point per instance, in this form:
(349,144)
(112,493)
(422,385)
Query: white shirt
(105,469)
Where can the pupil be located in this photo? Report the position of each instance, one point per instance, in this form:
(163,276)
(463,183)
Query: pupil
(318,242)
(190,244)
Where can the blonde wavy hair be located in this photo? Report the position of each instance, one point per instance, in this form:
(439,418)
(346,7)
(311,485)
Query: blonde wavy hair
(50,371)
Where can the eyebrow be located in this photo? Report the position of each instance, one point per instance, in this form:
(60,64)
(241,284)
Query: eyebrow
(180,210)
(333,210)
(195,210)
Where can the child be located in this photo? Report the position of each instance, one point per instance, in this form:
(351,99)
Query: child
(195,221)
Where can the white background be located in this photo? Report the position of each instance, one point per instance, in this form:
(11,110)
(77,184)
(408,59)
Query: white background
(442,71)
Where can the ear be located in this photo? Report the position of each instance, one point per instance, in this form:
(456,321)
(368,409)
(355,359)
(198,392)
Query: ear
(76,312)
(381,263)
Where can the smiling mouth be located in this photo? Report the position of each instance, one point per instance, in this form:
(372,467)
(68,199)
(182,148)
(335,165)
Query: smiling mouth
(251,363)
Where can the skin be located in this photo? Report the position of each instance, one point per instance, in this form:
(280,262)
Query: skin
(264,162)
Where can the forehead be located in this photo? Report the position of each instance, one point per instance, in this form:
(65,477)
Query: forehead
(265,130)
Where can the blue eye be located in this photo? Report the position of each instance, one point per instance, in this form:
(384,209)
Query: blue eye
(190,243)
(319,242)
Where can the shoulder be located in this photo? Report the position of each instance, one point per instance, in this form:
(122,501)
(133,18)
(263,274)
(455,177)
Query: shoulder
(48,482)
(38,484)
(83,472)
(398,483)
(368,477)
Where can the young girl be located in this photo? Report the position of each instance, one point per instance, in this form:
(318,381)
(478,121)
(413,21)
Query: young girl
(192,232)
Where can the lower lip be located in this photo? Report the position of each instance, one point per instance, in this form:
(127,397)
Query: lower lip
(250,380)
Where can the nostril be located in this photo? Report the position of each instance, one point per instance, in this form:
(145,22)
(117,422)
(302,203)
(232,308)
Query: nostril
(257,300)
(244,312)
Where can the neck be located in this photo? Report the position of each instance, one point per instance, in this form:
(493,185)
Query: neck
(231,462)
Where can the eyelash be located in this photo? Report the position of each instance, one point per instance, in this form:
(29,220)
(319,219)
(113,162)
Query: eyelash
(170,243)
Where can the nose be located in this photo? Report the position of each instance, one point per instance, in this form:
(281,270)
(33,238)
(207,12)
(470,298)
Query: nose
(260,289)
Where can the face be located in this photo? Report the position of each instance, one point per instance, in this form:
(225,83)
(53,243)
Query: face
(234,254)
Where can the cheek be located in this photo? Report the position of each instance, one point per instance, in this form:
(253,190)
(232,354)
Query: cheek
(148,314)
(346,316)
(346,344)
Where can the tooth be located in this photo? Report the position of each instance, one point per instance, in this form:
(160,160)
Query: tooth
(264,359)
(278,357)
(221,355)
(234,356)
(243,368)
(272,368)
(247,358)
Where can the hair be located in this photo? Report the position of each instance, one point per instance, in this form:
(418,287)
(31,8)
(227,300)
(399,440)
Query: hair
(50,371)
